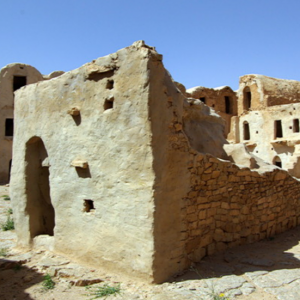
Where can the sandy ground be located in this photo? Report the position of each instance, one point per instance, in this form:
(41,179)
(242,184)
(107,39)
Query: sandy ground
(245,270)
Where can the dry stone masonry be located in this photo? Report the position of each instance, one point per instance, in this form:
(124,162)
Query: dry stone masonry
(115,165)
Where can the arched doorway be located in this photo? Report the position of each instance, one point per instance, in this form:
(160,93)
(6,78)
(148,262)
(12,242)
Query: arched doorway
(38,207)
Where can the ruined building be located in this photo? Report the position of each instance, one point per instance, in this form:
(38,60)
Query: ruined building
(114,166)
(222,99)
(13,77)
(268,120)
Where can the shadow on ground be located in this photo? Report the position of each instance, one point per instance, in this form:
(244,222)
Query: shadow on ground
(15,278)
(278,253)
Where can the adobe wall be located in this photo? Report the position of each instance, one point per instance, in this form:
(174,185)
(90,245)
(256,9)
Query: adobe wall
(266,91)
(88,132)
(273,134)
(216,99)
(7,74)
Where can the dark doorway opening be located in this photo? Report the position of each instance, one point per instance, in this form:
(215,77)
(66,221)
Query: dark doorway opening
(278,129)
(247,98)
(19,81)
(246,131)
(9,127)
(202,99)
(228,108)
(38,207)
(296,125)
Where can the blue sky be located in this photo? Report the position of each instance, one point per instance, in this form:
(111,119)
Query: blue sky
(205,42)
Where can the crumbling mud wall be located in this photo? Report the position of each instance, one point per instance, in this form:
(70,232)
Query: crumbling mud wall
(268,120)
(221,204)
(256,92)
(114,167)
(222,99)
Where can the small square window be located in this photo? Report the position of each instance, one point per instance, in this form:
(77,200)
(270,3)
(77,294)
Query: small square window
(88,206)
(19,81)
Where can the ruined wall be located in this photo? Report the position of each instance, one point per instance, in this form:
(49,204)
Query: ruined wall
(273,132)
(204,204)
(12,77)
(223,100)
(256,92)
(91,131)
(228,205)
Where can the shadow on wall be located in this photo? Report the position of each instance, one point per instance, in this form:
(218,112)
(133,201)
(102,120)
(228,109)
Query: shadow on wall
(15,279)
(83,173)
(204,129)
(267,255)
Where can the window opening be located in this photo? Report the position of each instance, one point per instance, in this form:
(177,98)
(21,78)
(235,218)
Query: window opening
(110,84)
(108,103)
(19,81)
(246,131)
(278,129)
(296,125)
(202,99)
(277,162)
(88,206)
(9,127)
(228,108)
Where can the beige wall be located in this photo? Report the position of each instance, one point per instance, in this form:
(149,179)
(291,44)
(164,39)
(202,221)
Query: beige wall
(7,109)
(116,144)
(267,113)
(266,91)
(223,100)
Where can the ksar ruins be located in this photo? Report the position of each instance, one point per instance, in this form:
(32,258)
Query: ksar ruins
(117,165)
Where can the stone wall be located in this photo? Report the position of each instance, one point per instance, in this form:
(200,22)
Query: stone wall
(229,206)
